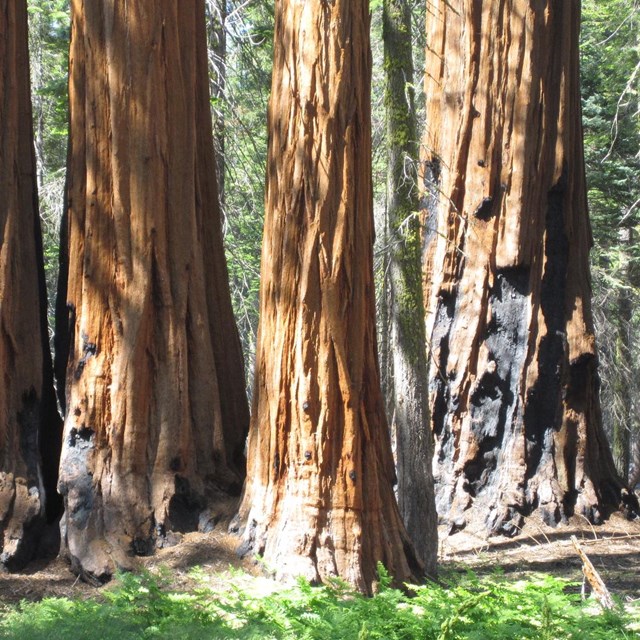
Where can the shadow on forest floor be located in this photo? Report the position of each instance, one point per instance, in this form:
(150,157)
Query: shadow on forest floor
(613,548)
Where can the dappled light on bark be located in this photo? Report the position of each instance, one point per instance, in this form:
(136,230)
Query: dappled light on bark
(319,496)
(148,355)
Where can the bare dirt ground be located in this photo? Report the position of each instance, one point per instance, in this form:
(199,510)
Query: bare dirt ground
(614,549)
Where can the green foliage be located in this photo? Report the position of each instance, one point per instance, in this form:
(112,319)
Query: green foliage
(611,113)
(243,107)
(48,50)
(144,606)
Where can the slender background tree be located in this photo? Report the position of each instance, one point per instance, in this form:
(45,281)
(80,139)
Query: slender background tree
(408,392)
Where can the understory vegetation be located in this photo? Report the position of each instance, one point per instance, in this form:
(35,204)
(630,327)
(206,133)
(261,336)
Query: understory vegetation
(146,606)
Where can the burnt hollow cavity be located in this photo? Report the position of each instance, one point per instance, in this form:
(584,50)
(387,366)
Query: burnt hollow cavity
(184,507)
(484,211)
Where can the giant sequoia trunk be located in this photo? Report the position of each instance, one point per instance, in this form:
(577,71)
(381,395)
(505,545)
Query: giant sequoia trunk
(408,357)
(514,387)
(319,496)
(29,422)
(153,389)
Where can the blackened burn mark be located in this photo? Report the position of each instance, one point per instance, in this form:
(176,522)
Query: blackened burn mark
(82,435)
(543,411)
(582,375)
(494,398)
(484,210)
(439,385)
(143,546)
(29,420)
(88,349)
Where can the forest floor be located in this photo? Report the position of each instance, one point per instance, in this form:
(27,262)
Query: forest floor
(614,549)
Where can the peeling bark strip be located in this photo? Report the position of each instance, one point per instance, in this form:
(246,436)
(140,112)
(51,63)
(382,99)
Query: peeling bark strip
(319,495)
(514,388)
(28,416)
(156,414)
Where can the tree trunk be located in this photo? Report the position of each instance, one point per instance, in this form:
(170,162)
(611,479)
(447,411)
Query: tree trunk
(514,387)
(29,423)
(623,419)
(149,353)
(319,496)
(409,385)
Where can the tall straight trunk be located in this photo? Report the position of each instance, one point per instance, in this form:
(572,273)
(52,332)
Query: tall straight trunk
(514,386)
(29,423)
(149,355)
(319,498)
(408,356)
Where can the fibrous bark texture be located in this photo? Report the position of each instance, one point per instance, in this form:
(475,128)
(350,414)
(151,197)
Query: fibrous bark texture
(514,387)
(29,422)
(149,353)
(319,496)
(408,357)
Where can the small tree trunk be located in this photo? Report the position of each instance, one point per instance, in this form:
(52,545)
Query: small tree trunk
(156,414)
(514,389)
(218,72)
(29,423)
(319,498)
(409,391)
(624,418)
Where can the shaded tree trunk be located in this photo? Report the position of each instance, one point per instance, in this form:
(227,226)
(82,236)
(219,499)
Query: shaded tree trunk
(408,357)
(514,387)
(319,496)
(149,355)
(29,422)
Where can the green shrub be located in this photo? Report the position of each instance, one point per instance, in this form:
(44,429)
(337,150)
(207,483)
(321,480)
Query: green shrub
(145,606)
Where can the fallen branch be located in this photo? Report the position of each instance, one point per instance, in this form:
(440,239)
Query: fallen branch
(593,577)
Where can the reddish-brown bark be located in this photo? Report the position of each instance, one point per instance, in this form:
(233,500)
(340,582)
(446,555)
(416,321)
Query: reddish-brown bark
(156,414)
(514,388)
(29,422)
(319,496)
